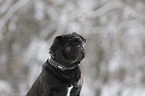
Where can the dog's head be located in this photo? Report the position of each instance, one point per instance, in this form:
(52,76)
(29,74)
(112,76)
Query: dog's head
(68,49)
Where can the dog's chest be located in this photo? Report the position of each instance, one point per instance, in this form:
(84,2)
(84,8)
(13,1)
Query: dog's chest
(69,90)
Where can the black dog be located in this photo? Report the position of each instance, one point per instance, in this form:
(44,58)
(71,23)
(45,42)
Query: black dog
(62,70)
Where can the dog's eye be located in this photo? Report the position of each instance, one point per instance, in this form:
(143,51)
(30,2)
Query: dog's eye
(69,48)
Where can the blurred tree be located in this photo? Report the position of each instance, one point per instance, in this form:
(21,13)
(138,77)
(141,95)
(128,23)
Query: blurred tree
(114,30)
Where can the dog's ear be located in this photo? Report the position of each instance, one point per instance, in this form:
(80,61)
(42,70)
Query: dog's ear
(55,45)
(83,39)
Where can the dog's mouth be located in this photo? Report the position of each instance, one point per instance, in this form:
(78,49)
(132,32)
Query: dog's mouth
(71,53)
(75,53)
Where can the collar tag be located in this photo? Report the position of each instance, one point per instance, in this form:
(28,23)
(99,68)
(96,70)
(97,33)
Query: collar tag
(60,67)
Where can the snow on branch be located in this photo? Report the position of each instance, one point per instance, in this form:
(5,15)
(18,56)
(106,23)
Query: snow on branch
(10,13)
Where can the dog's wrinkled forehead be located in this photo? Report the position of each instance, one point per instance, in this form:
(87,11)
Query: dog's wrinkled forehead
(74,37)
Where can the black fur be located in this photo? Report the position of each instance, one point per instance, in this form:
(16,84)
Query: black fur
(67,50)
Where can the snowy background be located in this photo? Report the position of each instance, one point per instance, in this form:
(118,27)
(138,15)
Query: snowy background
(115,33)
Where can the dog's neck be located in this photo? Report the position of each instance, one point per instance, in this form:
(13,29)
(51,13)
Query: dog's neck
(58,65)
(68,75)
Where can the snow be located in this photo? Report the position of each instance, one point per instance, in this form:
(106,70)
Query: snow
(115,60)
(5,88)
